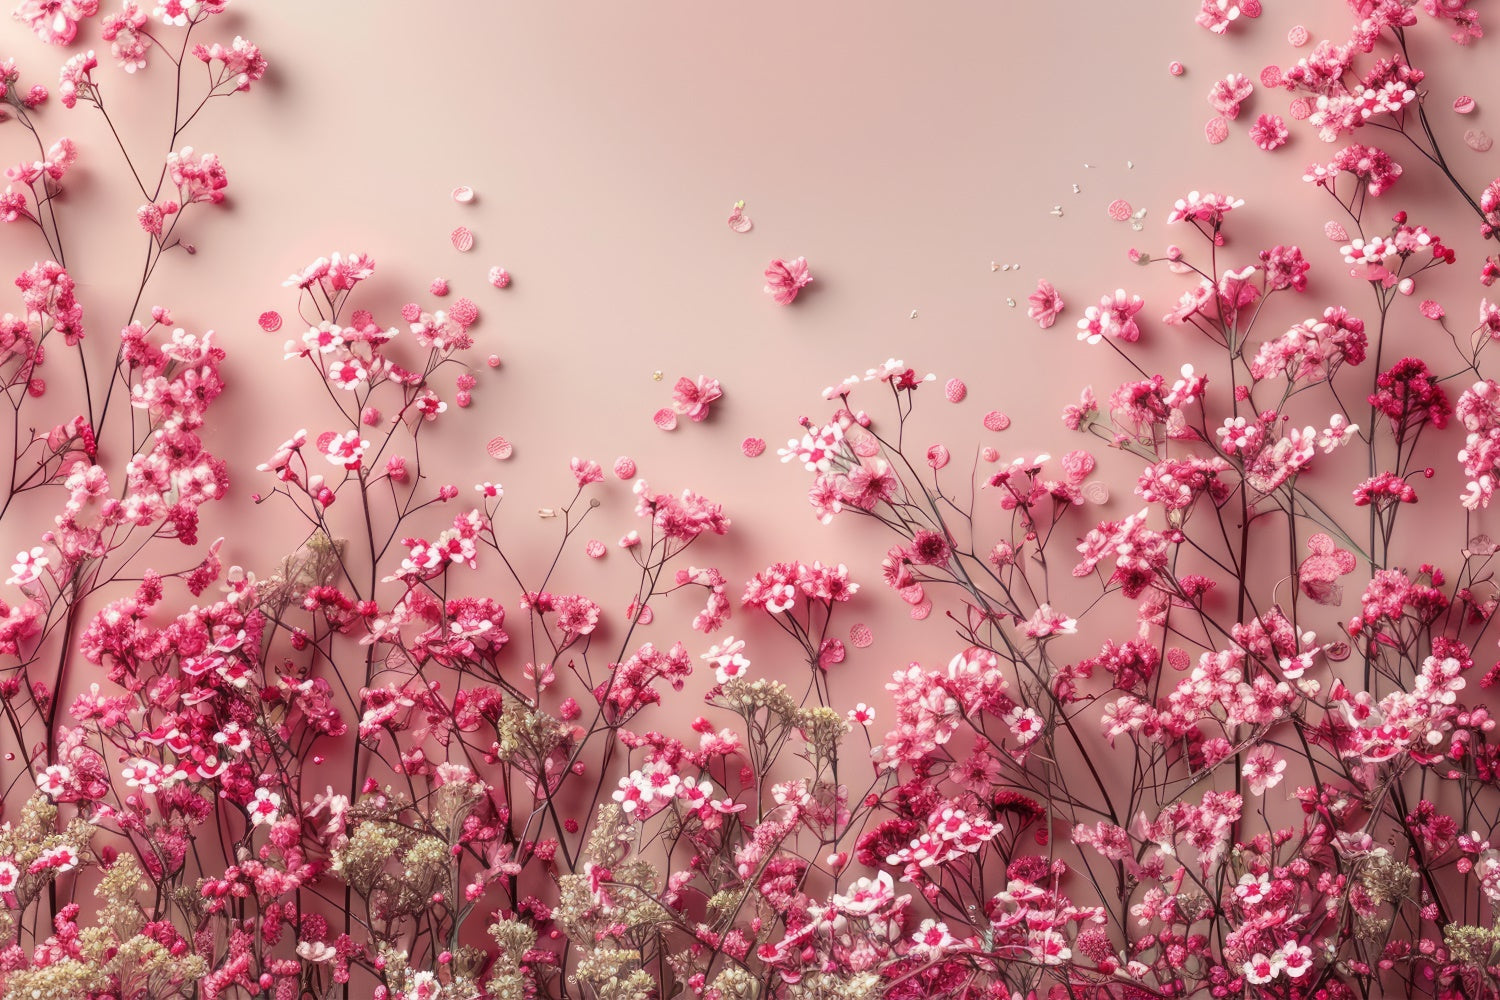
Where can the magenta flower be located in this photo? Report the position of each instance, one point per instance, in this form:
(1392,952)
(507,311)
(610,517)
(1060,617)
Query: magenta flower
(786,278)
(1269,132)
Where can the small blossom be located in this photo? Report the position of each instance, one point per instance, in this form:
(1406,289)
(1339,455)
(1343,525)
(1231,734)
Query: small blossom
(785,279)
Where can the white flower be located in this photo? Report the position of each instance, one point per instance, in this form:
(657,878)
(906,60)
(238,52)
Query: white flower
(28,566)
(54,780)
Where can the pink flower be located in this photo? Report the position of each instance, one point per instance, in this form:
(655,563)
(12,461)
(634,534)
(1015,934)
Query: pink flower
(692,399)
(786,278)
(1263,769)
(586,471)
(1209,208)
(1045,304)
(56,21)
(242,61)
(1227,94)
(198,178)
(1269,132)
(1215,15)
(74,80)
(346,449)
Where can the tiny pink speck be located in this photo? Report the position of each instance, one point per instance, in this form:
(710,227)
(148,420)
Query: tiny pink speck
(996,421)
(1217,130)
(439,287)
(595,549)
(955,390)
(463,194)
(1175,68)
(860,636)
(270,321)
(989,454)
(665,418)
(1119,210)
(1335,232)
(625,467)
(493,361)
(1300,109)
(1297,36)
(1478,140)
(463,240)
(645,615)
(753,447)
(499,448)
(1464,105)
(411,312)
(1250,8)
(1270,76)
(921,611)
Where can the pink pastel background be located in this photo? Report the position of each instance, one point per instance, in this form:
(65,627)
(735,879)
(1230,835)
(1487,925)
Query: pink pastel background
(903,149)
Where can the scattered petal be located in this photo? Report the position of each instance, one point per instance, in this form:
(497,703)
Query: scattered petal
(1431,309)
(937,456)
(989,454)
(738,220)
(463,240)
(996,421)
(1250,8)
(1335,232)
(1175,68)
(1119,210)
(1464,105)
(499,277)
(463,194)
(665,418)
(1094,491)
(860,636)
(1270,76)
(753,447)
(411,312)
(1297,36)
(1300,108)
(493,361)
(595,549)
(1217,130)
(439,287)
(955,390)
(921,611)
(270,321)
(1478,140)
(625,467)
(499,448)
(645,615)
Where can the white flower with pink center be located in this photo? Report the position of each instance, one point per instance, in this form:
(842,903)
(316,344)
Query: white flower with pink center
(265,808)
(28,567)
